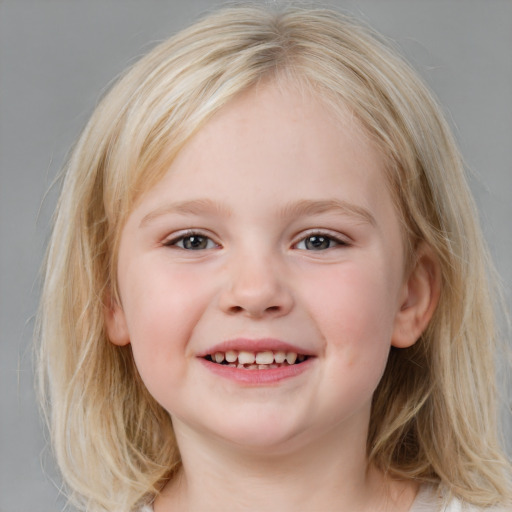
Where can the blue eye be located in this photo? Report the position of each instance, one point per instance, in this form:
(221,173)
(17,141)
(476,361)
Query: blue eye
(318,242)
(193,242)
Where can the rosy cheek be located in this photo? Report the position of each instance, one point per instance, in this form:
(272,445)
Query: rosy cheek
(351,304)
(335,292)
(163,305)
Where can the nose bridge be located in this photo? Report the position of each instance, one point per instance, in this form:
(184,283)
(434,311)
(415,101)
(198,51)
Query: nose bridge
(256,284)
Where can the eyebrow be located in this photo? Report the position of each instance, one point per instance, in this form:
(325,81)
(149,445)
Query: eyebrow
(316,207)
(192,207)
(296,209)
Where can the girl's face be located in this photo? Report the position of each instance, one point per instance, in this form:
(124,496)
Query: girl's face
(272,236)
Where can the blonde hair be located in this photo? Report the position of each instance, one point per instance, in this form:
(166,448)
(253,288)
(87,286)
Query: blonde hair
(434,415)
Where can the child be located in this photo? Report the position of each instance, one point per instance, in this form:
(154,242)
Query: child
(266,288)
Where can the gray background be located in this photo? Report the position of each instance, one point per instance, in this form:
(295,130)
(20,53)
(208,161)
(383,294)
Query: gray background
(55,59)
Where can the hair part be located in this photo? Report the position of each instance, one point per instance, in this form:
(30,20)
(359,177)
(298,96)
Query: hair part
(434,414)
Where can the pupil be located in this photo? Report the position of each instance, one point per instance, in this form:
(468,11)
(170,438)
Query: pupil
(195,242)
(316,243)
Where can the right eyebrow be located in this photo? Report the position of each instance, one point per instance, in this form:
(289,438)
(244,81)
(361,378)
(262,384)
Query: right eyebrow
(316,207)
(193,207)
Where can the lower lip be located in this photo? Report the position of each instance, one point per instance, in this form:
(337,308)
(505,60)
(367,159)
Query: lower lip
(257,377)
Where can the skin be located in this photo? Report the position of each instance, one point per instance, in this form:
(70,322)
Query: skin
(245,178)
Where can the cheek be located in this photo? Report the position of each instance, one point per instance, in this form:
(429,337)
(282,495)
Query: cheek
(161,309)
(157,297)
(354,297)
(354,309)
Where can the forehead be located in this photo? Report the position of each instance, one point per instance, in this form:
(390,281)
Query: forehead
(271,133)
(270,147)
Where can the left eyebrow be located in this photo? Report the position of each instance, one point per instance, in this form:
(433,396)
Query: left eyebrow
(312,207)
(192,207)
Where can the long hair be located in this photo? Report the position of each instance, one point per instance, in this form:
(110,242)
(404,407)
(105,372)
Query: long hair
(434,416)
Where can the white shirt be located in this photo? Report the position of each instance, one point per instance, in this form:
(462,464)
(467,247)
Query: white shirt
(427,500)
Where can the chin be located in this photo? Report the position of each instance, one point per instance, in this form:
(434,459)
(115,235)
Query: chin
(258,432)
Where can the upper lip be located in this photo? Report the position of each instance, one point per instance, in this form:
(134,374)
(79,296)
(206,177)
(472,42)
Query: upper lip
(255,345)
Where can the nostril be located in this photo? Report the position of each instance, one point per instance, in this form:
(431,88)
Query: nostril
(240,309)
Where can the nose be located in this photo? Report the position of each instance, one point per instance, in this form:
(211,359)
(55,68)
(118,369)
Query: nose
(255,287)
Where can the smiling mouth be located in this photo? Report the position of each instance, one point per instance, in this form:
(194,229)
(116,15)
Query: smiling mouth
(265,360)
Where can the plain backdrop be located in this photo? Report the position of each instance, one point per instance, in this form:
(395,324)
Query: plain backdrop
(56,58)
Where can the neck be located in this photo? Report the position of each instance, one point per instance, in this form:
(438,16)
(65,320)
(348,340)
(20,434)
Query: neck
(327,475)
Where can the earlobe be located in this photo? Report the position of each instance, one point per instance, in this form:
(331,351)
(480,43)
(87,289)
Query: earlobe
(421,295)
(115,322)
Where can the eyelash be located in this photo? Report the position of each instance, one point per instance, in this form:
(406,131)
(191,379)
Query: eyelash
(190,235)
(210,244)
(322,236)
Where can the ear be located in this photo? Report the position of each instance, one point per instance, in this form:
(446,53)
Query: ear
(115,322)
(420,295)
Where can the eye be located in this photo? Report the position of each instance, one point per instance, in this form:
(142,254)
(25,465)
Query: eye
(192,242)
(319,242)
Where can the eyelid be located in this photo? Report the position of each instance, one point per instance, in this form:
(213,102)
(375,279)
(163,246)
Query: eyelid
(339,239)
(174,238)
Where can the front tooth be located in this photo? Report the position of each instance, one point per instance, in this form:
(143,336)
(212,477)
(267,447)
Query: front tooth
(231,356)
(265,357)
(279,357)
(291,357)
(219,357)
(246,357)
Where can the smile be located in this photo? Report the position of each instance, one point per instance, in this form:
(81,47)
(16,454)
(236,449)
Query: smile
(265,360)
(259,362)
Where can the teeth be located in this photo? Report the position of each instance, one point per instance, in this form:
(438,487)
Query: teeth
(246,357)
(253,360)
(291,357)
(279,357)
(265,357)
(231,356)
